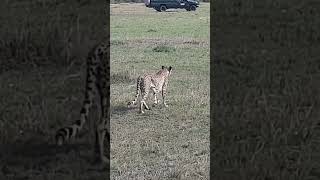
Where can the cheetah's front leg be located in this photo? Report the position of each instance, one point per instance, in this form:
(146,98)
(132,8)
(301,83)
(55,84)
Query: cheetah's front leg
(155,92)
(102,132)
(164,93)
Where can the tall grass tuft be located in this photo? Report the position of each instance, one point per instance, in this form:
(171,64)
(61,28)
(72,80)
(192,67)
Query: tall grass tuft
(163,48)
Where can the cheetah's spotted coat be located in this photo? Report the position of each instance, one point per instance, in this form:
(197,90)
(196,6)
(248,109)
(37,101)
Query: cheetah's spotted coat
(156,82)
(97,84)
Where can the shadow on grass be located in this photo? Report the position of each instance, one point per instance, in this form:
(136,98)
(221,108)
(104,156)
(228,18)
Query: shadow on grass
(36,158)
(122,109)
(38,150)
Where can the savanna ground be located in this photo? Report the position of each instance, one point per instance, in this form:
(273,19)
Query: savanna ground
(42,70)
(163,143)
(266,90)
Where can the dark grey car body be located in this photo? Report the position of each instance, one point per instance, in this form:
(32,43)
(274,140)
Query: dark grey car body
(162,5)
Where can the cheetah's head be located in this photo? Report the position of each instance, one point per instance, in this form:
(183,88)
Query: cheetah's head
(169,69)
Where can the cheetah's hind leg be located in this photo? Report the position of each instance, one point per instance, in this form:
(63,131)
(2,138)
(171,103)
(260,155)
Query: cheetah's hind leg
(142,106)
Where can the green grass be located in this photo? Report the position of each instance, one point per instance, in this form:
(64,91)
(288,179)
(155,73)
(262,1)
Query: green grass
(164,143)
(42,68)
(38,33)
(41,89)
(266,91)
(149,24)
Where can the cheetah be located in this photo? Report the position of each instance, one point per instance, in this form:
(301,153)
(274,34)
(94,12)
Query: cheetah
(156,82)
(97,85)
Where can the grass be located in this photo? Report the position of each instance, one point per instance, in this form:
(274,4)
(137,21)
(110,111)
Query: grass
(41,89)
(164,143)
(42,68)
(163,48)
(266,88)
(38,33)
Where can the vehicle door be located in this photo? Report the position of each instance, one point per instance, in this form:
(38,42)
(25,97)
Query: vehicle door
(173,3)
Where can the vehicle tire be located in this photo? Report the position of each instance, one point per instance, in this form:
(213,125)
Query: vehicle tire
(163,8)
(193,8)
(157,9)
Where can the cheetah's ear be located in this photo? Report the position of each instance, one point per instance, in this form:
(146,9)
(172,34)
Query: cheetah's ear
(162,67)
(170,68)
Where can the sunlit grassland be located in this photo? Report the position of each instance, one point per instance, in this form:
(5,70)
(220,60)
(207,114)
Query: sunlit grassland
(168,142)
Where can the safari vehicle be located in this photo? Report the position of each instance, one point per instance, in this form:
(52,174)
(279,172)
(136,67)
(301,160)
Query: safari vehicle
(163,5)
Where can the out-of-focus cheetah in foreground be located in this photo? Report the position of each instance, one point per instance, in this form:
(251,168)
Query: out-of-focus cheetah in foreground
(97,84)
(156,82)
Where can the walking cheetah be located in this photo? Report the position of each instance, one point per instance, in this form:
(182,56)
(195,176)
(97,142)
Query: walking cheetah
(97,84)
(156,82)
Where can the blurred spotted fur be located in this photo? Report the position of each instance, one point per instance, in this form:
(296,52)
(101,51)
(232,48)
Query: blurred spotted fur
(97,84)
